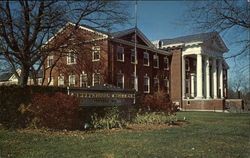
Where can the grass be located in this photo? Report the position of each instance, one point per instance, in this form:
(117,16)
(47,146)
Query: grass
(207,135)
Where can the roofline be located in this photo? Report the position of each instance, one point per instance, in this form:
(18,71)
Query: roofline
(141,46)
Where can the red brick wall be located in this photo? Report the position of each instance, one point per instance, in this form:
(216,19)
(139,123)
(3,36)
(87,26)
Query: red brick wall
(176,77)
(216,104)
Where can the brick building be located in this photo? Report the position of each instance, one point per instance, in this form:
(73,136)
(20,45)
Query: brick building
(191,68)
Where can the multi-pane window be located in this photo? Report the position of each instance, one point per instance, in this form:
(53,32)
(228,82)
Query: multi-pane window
(83,80)
(72,80)
(156,83)
(51,81)
(133,58)
(49,60)
(96,79)
(146,59)
(156,61)
(60,80)
(40,80)
(120,53)
(71,59)
(120,80)
(96,53)
(187,65)
(166,63)
(146,84)
(166,84)
(133,82)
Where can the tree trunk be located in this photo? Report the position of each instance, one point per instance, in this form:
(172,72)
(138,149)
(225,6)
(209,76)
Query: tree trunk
(24,75)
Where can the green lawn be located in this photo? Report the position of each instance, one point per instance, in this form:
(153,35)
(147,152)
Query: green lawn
(207,135)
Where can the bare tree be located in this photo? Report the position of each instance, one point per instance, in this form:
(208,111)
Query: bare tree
(223,16)
(26,25)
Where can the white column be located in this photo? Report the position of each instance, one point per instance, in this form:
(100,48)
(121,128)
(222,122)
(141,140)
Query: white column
(207,77)
(199,77)
(214,71)
(183,76)
(220,71)
(192,84)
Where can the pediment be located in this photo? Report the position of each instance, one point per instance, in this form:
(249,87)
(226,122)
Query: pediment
(129,35)
(217,43)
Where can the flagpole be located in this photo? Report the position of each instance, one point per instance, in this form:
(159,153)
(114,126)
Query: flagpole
(135,72)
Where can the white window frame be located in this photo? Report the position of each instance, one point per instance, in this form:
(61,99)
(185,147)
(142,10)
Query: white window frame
(74,80)
(158,81)
(49,62)
(135,62)
(164,60)
(156,57)
(117,52)
(187,62)
(94,50)
(51,82)
(59,79)
(93,77)
(122,80)
(147,54)
(148,91)
(166,80)
(81,77)
(39,81)
(69,58)
(135,81)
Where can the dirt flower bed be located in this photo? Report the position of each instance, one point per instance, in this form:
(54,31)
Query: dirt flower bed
(132,127)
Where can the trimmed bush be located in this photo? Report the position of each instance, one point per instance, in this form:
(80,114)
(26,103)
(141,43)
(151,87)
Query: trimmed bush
(59,111)
(159,101)
(12,96)
(110,120)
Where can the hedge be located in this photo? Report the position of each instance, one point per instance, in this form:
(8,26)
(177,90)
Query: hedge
(12,96)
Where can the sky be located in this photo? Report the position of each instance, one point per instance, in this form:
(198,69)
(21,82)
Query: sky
(163,20)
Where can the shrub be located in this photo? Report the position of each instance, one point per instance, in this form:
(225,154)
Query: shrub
(12,96)
(59,111)
(154,118)
(110,120)
(159,101)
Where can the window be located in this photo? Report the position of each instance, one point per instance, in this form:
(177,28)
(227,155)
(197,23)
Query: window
(166,63)
(84,80)
(51,81)
(71,59)
(133,82)
(39,81)
(187,65)
(156,61)
(60,80)
(166,84)
(96,53)
(146,84)
(72,80)
(120,53)
(133,58)
(156,83)
(145,59)
(120,80)
(49,60)
(96,79)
